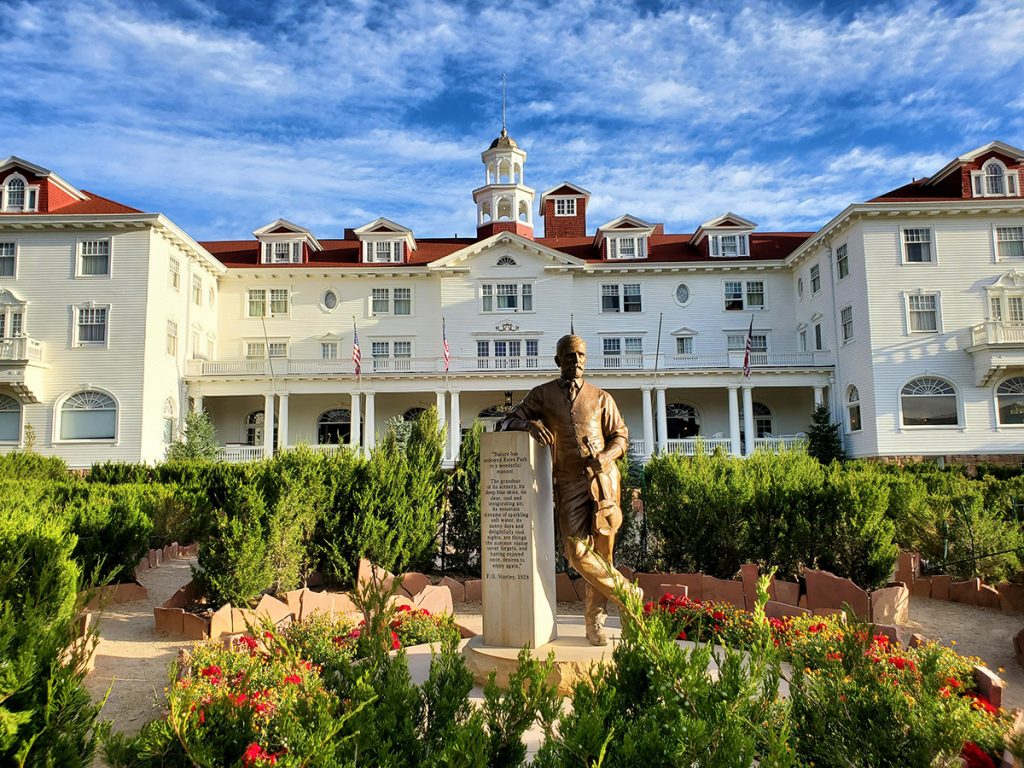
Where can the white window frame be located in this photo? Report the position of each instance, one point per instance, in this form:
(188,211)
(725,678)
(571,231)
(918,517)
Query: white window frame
(79,246)
(932,249)
(739,245)
(14,259)
(907,311)
(172,337)
(270,252)
(815,272)
(390,357)
(620,298)
(489,291)
(1010,180)
(842,262)
(684,346)
(567,205)
(1000,424)
(819,338)
(75,340)
(329,350)
(254,349)
(21,419)
(958,395)
(852,403)
(846,332)
(323,300)
(613,247)
(741,345)
(58,417)
(30,203)
(174,274)
(197,290)
(395,300)
(384,251)
(268,301)
(271,300)
(801,336)
(528,356)
(997,239)
(278,349)
(745,295)
(623,358)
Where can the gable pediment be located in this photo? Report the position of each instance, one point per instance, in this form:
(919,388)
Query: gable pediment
(1012,279)
(10,299)
(506,243)
(684,331)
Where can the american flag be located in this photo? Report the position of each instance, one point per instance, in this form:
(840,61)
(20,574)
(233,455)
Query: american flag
(444,345)
(357,356)
(746,349)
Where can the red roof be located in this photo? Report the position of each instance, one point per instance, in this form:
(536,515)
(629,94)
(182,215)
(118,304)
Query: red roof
(764,246)
(96,204)
(920,192)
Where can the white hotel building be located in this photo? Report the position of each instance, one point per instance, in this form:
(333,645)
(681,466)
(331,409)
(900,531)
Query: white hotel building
(905,314)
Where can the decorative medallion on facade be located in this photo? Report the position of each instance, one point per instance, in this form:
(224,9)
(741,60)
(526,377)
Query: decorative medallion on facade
(506,327)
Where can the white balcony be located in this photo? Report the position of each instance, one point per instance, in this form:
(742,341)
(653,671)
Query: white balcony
(21,348)
(996,346)
(687,446)
(286,366)
(780,442)
(236,454)
(22,366)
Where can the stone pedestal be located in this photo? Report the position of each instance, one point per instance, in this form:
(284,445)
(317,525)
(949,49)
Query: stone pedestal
(518,541)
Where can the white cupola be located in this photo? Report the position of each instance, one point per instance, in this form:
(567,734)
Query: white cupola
(504,203)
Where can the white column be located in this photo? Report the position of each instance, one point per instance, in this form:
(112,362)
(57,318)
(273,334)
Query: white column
(268,424)
(455,425)
(734,420)
(441,420)
(645,399)
(819,396)
(748,418)
(282,418)
(197,403)
(354,438)
(370,427)
(662,420)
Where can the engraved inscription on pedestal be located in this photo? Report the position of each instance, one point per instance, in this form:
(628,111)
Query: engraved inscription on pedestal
(517,547)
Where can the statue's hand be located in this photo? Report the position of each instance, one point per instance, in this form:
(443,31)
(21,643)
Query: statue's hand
(541,433)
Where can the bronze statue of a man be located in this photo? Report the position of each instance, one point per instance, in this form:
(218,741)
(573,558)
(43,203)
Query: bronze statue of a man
(587,435)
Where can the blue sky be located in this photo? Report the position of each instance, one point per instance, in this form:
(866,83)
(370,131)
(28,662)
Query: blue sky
(226,115)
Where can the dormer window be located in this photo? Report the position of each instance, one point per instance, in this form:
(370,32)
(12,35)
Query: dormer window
(994,180)
(627,247)
(284,252)
(16,195)
(729,246)
(565,206)
(383,251)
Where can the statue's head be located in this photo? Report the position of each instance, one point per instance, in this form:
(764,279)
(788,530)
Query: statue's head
(571,356)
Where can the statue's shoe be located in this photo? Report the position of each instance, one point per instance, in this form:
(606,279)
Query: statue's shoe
(596,634)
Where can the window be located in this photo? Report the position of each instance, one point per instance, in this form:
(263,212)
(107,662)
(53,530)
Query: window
(255,350)
(682,294)
(853,409)
(924,312)
(197,290)
(737,342)
(565,207)
(802,340)
(172,337)
(380,301)
(917,245)
(626,352)
(1009,400)
(682,421)
(1009,243)
(508,297)
(621,298)
(8,255)
(929,402)
(329,301)
(684,345)
(277,349)
(10,420)
(90,326)
(815,278)
(334,427)
(508,353)
(15,195)
(383,251)
(287,252)
(741,294)
(994,180)
(94,257)
(842,262)
(846,320)
(194,338)
(168,417)
(174,274)
(88,415)
(763,420)
(254,428)
(257,302)
(800,287)
(817,337)
(632,247)
(391,355)
(506,261)
(328,350)
(729,246)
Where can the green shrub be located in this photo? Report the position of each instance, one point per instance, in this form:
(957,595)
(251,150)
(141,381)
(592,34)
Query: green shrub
(120,472)
(114,526)
(462,533)
(199,441)
(25,465)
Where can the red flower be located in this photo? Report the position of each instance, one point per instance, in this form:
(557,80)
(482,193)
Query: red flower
(269,635)
(648,607)
(423,612)
(980,703)
(254,754)
(202,717)
(944,692)
(718,616)
(293,679)
(213,673)
(248,642)
(395,642)
(952,682)
(974,757)
(837,656)
(308,665)
(816,628)
(880,640)
(682,635)
(238,700)
(263,708)
(354,634)
(403,608)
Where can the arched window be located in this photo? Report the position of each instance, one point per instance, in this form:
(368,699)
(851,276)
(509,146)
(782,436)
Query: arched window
(683,421)
(490,416)
(412,414)
(506,261)
(254,428)
(853,409)
(929,402)
(504,208)
(168,416)
(10,419)
(88,415)
(504,172)
(764,422)
(518,171)
(995,178)
(334,427)
(16,194)
(524,211)
(1010,400)
(485,212)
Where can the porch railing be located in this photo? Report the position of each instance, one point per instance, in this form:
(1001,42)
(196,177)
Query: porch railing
(235,454)
(779,443)
(21,348)
(284,366)
(998,332)
(687,446)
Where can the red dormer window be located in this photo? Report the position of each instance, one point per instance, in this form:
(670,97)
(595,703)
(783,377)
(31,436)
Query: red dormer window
(16,195)
(994,180)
